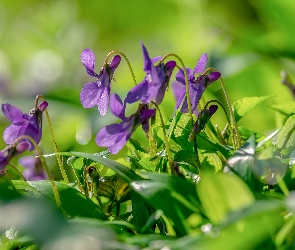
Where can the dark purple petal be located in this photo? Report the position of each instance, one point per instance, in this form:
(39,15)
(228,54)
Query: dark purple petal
(12,113)
(146,114)
(212,109)
(196,92)
(147,61)
(115,136)
(213,76)
(137,92)
(115,62)
(182,99)
(180,77)
(4,160)
(43,105)
(116,106)
(88,60)
(22,147)
(201,64)
(170,65)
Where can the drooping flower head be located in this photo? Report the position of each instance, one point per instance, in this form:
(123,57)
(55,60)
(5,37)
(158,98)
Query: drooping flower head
(203,118)
(115,136)
(197,85)
(155,83)
(11,151)
(23,124)
(97,93)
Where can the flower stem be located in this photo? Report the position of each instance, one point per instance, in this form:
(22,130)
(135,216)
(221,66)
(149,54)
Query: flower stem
(236,134)
(15,168)
(62,170)
(53,185)
(126,59)
(189,106)
(165,140)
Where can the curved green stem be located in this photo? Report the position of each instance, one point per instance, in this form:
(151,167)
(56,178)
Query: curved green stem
(62,170)
(126,59)
(16,169)
(165,140)
(236,134)
(53,185)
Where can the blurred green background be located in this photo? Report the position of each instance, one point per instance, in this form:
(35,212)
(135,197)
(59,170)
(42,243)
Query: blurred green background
(249,42)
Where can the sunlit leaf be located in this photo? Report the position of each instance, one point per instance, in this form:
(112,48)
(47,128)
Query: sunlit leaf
(222,193)
(243,106)
(286,135)
(177,191)
(285,108)
(248,228)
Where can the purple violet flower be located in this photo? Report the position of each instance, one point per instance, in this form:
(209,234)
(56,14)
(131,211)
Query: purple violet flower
(115,136)
(97,93)
(23,124)
(11,151)
(155,83)
(197,85)
(33,168)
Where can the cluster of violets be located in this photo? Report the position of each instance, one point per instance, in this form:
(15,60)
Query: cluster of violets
(148,93)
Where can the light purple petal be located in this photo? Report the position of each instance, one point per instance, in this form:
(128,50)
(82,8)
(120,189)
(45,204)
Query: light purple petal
(90,94)
(27,161)
(12,132)
(156,59)
(137,92)
(116,106)
(12,113)
(88,60)
(201,64)
(177,89)
(103,102)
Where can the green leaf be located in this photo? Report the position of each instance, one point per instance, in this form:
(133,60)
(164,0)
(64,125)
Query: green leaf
(73,202)
(125,173)
(140,212)
(7,190)
(285,108)
(162,190)
(245,105)
(186,156)
(222,193)
(246,133)
(242,160)
(182,131)
(248,228)
(286,135)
